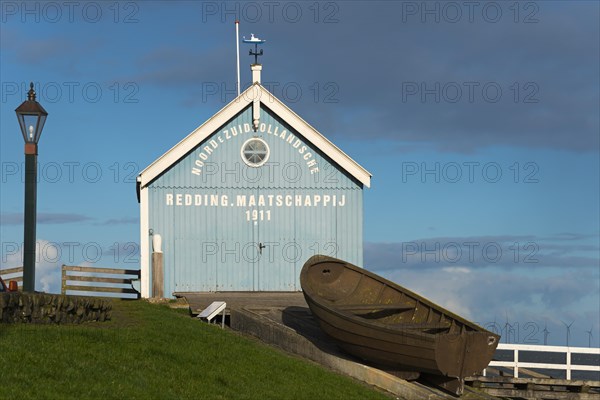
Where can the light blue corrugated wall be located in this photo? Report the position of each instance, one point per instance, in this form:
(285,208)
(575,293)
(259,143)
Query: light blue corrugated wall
(215,247)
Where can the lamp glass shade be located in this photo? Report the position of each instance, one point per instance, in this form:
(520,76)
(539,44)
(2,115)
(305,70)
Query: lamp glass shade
(32,117)
(31,126)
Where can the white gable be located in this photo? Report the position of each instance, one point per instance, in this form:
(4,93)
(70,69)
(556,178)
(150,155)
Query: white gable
(255,94)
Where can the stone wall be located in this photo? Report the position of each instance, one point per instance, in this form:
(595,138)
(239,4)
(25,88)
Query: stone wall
(43,308)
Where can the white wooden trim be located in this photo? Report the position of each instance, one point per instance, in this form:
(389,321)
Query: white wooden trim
(251,94)
(320,141)
(193,139)
(144,243)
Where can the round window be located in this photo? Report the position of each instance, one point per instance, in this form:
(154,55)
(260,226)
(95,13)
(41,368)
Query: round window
(255,152)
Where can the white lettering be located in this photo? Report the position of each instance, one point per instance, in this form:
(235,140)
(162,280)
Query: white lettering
(233,131)
(258,201)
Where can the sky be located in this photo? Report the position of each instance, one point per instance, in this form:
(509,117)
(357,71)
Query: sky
(478,120)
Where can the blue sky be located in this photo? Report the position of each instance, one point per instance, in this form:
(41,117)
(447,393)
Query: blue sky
(479,123)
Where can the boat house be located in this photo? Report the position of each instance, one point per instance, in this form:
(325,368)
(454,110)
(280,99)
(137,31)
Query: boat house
(245,199)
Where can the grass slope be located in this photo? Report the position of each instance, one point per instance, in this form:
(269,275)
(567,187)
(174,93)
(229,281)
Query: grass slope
(152,352)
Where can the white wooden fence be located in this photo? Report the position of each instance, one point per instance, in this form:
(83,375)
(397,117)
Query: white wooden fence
(568,366)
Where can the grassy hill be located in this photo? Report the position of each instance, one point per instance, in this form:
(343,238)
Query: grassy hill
(153,352)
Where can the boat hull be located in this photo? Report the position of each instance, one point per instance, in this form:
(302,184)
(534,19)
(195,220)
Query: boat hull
(389,326)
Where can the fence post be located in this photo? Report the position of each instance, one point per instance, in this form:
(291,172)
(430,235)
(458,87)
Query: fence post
(568,363)
(157,267)
(63,275)
(157,275)
(516,358)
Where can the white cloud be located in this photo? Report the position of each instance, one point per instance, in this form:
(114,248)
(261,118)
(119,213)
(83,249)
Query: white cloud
(447,287)
(526,300)
(47,266)
(458,270)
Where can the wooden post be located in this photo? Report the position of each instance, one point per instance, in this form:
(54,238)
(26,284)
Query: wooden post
(157,275)
(63,273)
(568,363)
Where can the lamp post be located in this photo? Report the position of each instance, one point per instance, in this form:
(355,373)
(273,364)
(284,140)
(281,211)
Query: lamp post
(31,116)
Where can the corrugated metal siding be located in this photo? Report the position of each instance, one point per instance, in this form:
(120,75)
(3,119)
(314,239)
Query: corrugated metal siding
(216,248)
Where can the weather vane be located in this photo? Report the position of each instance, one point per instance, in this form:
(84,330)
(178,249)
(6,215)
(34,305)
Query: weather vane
(256,41)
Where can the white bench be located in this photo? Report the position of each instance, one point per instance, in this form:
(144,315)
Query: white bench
(213,310)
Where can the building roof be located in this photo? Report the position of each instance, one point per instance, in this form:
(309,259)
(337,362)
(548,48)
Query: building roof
(259,95)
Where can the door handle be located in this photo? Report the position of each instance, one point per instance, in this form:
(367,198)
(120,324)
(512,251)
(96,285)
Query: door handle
(260,247)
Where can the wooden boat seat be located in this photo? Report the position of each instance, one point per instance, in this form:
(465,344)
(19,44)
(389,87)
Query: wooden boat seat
(424,326)
(373,307)
(394,307)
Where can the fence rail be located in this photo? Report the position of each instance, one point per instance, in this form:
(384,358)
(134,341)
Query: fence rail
(568,366)
(12,274)
(87,278)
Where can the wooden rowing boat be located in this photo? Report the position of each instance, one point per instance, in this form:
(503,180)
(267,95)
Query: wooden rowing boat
(390,326)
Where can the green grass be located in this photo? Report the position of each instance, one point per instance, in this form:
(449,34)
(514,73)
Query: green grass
(153,352)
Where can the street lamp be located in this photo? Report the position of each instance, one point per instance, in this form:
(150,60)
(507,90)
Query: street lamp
(31,116)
